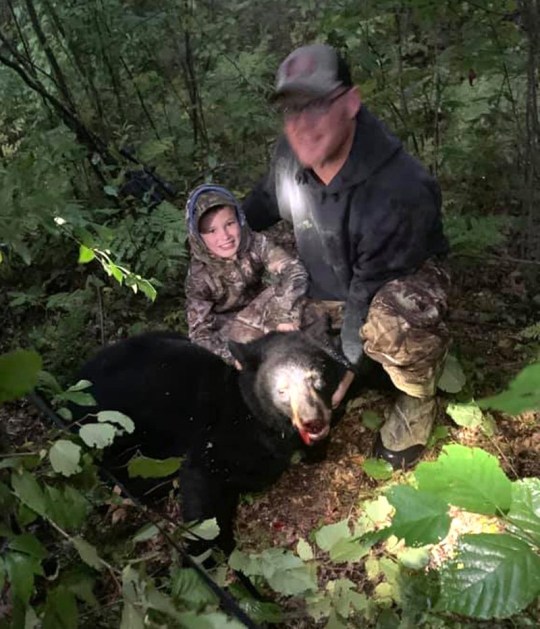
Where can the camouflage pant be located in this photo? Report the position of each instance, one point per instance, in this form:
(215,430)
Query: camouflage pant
(405,329)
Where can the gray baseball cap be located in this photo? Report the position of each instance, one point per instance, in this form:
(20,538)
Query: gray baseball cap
(311,72)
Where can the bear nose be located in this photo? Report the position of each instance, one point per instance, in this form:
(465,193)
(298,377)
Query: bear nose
(314,425)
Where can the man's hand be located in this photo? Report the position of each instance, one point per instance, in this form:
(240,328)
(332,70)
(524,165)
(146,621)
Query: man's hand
(287,327)
(342,388)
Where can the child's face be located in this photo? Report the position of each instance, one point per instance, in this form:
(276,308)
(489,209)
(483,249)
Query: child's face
(220,231)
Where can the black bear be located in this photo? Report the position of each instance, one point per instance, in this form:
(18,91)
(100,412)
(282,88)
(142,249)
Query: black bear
(236,429)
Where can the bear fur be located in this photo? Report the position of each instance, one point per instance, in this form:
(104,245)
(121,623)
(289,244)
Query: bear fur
(235,429)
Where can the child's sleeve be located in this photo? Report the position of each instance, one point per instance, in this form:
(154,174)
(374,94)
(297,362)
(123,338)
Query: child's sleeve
(291,275)
(201,319)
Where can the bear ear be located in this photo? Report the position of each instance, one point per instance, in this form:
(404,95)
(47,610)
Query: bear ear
(247,354)
(320,329)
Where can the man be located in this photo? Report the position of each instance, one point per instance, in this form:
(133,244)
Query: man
(367,224)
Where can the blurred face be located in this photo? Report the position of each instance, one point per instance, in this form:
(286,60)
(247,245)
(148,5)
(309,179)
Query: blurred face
(220,231)
(321,131)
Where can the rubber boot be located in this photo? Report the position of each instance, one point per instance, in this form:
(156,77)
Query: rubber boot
(403,437)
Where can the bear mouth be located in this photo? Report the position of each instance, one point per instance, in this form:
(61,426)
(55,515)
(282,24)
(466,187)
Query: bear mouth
(313,430)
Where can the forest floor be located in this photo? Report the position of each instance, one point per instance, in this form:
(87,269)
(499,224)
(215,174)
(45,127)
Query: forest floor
(490,306)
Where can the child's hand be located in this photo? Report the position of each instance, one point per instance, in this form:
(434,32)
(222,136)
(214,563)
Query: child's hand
(287,327)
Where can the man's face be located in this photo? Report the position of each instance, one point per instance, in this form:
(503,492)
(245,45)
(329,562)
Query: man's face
(318,131)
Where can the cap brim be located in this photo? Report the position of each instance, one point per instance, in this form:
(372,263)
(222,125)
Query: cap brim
(298,95)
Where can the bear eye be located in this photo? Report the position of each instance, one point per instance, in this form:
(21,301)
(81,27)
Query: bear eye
(317,383)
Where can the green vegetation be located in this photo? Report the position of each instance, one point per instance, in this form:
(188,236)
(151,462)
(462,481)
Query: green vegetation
(93,91)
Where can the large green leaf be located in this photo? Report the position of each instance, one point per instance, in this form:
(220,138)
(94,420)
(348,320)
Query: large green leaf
(29,491)
(153,468)
(115,417)
(29,544)
(378,469)
(452,379)
(65,456)
(285,572)
(523,393)
(468,478)
(187,586)
(467,414)
(18,373)
(87,552)
(97,435)
(524,514)
(21,569)
(214,620)
(66,506)
(60,610)
(330,534)
(491,576)
(420,518)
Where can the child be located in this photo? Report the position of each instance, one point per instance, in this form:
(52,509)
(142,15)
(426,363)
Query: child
(225,293)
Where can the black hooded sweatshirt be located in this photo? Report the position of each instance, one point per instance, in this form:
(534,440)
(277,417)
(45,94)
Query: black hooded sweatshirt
(377,220)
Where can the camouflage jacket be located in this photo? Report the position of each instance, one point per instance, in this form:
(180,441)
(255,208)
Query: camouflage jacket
(217,289)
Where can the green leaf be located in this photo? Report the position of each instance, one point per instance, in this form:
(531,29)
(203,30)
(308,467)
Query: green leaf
(65,456)
(524,514)
(371,420)
(18,373)
(523,393)
(285,572)
(146,467)
(213,620)
(132,617)
(67,507)
(329,535)
(85,255)
(466,477)
(115,417)
(97,435)
(468,415)
(60,610)
(304,550)
(146,532)
(21,569)
(377,469)
(208,530)
(348,551)
(147,289)
(345,599)
(452,379)
(295,581)
(414,558)
(112,269)
(80,385)
(87,552)
(28,490)
(491,576)
(420,518)
(187,586)
(29,544)
(261,611)
(77,397)
(440,433)
(110,191)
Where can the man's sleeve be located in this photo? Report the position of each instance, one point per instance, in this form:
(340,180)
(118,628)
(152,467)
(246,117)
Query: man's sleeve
(394,245)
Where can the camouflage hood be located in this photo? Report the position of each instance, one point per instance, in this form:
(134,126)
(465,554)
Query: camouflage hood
(201,200)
